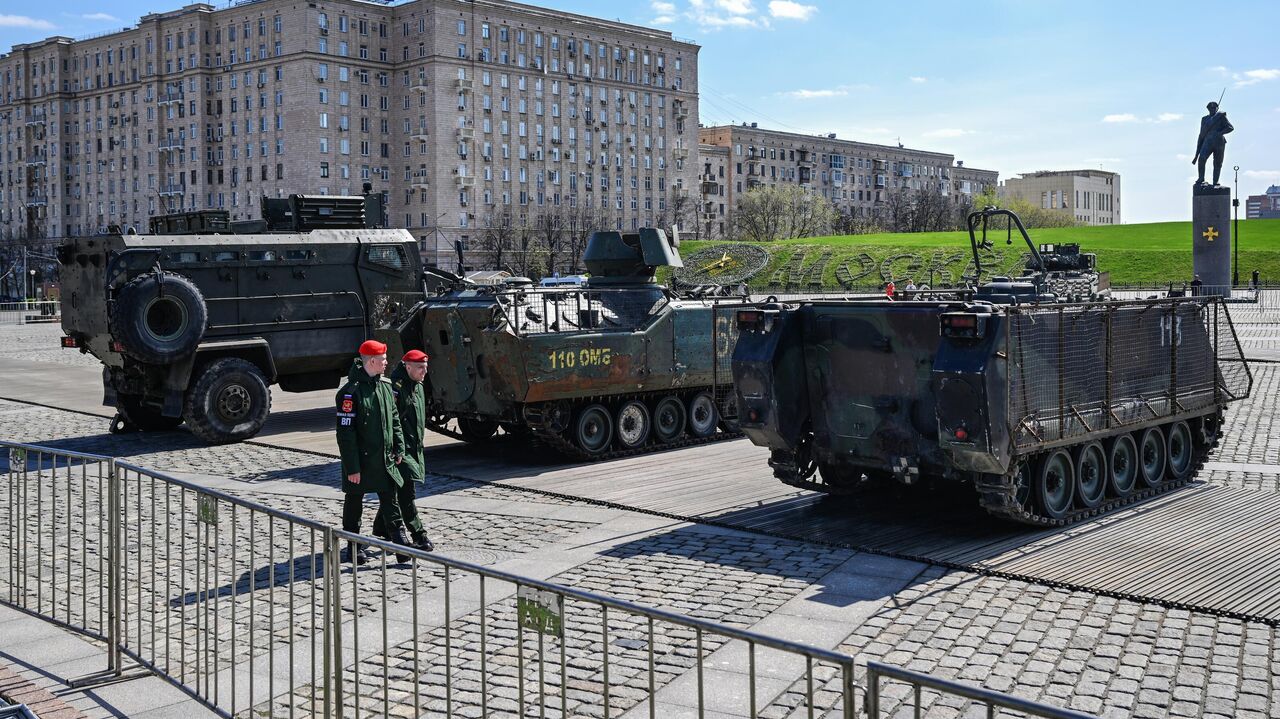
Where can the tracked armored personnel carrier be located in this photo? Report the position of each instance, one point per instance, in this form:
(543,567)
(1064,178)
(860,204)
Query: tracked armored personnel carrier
(616,366)
(1052,410)
(195,320)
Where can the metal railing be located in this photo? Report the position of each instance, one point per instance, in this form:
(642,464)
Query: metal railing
(918,682)
(251,609)
(29,312)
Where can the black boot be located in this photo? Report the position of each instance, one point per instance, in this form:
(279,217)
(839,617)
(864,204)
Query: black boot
(358,555)
(399,537)
(421,541)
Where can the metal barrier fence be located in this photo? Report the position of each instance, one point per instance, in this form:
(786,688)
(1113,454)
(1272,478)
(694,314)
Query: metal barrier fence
(29,312)
(918,700)
(252,611)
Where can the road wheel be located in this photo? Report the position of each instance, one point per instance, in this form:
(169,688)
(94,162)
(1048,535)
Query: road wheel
(476,430)
(229,401)
(144,417)
(1180,451)
(158,321)
(1122,465)
(1091,475)
(702,415)
(633,424)
(668,419)
(1055,484)
(593,429)
(1151,456)
(1022,485)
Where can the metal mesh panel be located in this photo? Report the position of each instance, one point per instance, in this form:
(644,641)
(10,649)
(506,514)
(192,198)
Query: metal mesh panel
(1076,369)
(577,310)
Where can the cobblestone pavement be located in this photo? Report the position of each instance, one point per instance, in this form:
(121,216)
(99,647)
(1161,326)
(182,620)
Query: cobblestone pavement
(40,343)
(1099,655)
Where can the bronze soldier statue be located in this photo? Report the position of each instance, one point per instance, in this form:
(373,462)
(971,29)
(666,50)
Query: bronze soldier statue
(1212,141)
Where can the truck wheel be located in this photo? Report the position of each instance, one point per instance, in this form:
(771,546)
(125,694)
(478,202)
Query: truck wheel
(159,321)
(593,429)
(1151,455)
(476,430)
(633,424)
(668,419)
(702,415)
(229,401)
(143,417)
(1055,484)
(1122,465)
(1178,441)
(1091,475)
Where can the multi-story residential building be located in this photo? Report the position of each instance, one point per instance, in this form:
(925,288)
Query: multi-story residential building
(1265,206)
(712,212)
(856,177)
(1091,196)
(457,110)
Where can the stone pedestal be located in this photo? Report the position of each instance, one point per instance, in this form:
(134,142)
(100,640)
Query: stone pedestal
(1211,237)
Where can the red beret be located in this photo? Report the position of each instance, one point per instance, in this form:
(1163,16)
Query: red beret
(415,356)
(371,348)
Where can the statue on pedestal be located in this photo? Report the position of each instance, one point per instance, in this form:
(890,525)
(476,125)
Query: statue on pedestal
(1212,141)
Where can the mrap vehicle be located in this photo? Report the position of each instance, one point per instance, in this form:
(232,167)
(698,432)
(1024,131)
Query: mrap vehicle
(1053,411)
(615,366)
(195,320)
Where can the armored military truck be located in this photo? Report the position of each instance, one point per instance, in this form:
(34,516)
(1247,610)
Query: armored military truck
(1052,410)
(195,320)
(616,366)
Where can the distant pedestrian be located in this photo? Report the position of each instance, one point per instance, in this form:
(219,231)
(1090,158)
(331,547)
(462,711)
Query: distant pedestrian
(406,385)
(889,289)
(911,285)
(1196,284)
(371,443)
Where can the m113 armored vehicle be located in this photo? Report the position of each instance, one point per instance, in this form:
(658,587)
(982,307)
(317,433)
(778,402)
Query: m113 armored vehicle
(194,320)
(616,366)
(1052,410)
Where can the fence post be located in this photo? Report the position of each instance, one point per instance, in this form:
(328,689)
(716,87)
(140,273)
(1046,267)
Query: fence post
(115,557)
(873,692)
(332,626)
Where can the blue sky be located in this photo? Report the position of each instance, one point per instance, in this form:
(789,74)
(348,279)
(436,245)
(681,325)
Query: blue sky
(1012,85)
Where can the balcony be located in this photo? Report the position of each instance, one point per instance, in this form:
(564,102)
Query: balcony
(754,182)
(421,87)
(418,180)
(709,187)
(708,216)
(466,134)
(37,200)
(36,160)
(419,134)
(170,98)
(465,180)
(171,190)
(463,85)
(682,111)
(37,118)
(755,159)
(680,153)
(805,160)
(172,144)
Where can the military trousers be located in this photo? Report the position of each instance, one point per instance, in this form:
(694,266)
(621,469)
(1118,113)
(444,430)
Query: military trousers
(353,508)
(408,511)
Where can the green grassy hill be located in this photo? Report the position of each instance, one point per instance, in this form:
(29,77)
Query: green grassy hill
(1148,254)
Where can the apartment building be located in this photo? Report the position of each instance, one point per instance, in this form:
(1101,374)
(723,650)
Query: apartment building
(1091,196)
(458,111)
(855,176)
(1265,206)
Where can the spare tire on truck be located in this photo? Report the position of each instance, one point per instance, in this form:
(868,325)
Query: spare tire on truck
(159,317)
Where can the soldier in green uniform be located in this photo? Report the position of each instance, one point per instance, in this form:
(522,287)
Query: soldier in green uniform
(371,443)
(406,384)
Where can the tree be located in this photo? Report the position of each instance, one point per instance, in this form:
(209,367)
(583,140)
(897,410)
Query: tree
(1032,215)
(549,227)
(496,239)
(580,222)
(526,253)
(782,212)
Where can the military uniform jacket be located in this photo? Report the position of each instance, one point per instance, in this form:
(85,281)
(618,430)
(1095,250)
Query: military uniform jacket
(369,433)
(411,404)
(1213,131)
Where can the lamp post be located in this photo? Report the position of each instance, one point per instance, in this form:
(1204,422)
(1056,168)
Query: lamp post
(1235,233)
(32,274)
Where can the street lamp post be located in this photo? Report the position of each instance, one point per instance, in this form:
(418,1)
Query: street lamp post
(1235,233)
(32,294)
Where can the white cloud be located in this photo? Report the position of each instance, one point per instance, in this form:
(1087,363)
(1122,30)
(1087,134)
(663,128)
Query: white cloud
(919,80)
(1125,117)
(1268,175)
(946,132)
(24,21)
(100,17)
(736,7)
(788,10)
(1130,117)
(663,8)
(1168,117)
(814,94)
(1253,77)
